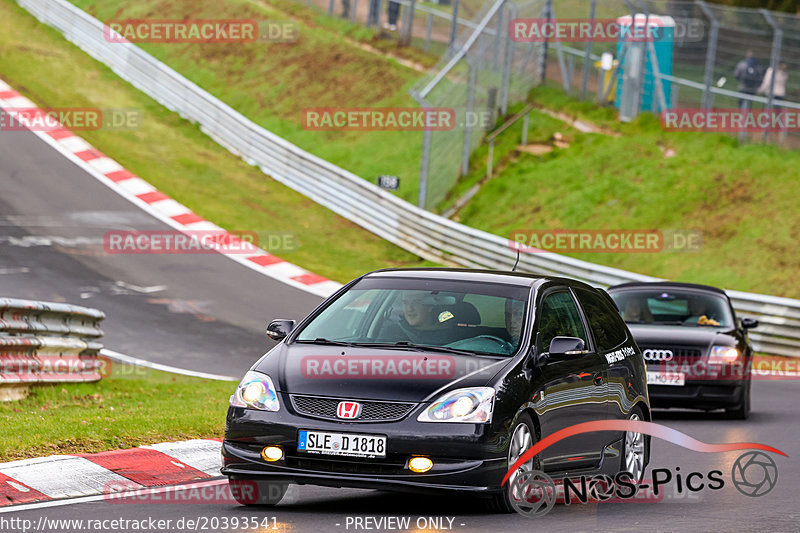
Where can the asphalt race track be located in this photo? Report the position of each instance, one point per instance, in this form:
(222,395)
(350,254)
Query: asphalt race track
(210,315)
(199,311)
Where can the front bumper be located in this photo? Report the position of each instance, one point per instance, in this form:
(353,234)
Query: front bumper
(467,457)
(698,395)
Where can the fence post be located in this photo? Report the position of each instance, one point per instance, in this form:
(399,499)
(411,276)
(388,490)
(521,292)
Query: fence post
(588,52)
(774,58)
(408,25)
(467,122)
(423,171)
(508,59)
(330,8)
(453,25)
(498,32)
(711,54)
(428,30)
(548,9)
(525,122)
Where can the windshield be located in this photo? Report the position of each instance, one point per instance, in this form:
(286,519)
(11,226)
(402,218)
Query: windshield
(460,316)
(674,307)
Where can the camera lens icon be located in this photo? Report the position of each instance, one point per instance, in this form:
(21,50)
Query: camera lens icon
(532,493)
(754,474)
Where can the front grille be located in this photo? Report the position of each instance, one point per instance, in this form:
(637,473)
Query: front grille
(342,465)
(679,352)
(371,411)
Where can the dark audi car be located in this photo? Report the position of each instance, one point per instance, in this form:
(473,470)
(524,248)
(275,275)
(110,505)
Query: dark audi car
(698,354)
(438,380)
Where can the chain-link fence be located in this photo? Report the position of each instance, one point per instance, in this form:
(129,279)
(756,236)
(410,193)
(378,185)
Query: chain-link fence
(484,68)
(484,72)
(708,43)
(432,26)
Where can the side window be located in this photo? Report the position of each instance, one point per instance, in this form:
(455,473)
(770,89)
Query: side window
(604,320)
(559,317)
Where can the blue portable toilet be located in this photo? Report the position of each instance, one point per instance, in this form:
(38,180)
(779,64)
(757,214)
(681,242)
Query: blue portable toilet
(633,42)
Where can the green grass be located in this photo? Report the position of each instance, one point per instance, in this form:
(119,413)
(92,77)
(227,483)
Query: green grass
(180,160)
(743,198)
(132,407)
(273,83)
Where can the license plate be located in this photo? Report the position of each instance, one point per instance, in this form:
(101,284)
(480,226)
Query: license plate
(346,444)
(666,378)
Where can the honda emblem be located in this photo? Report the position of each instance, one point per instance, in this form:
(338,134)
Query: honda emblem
(348,410)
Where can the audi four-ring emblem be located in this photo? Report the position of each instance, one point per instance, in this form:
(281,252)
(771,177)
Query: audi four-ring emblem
(658,355)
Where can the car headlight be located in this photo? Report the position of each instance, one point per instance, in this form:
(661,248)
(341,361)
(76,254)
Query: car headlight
(723,354)
(257,392)
(472,405)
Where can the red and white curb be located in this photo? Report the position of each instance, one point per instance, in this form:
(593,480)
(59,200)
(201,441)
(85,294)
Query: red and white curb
(156,203)
(68,476)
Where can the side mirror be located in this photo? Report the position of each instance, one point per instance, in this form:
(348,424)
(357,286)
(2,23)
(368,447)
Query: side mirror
(279,328)
(561,346)
(749,323)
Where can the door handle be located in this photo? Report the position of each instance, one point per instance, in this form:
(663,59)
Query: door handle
(598,379)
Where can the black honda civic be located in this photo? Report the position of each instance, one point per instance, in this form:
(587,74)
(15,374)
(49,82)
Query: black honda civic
(430,380)
(698,354)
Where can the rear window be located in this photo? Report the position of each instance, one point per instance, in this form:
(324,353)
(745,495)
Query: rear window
(607,327)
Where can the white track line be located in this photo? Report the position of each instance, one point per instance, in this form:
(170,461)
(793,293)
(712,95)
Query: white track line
(102,497)
(122,358)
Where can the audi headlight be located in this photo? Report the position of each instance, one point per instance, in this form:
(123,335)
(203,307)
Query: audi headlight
(723,354)
(257,392)
(472,405)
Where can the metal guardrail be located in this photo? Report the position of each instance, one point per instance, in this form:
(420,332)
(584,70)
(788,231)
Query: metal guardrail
(44,342)
(425,234)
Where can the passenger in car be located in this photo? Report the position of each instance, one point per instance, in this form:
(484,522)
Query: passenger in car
(698,309)
(422,321)
(515,314)
(637,310)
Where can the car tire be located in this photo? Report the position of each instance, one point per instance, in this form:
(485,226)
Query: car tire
(261,493)
(521,438)
(741,411)
(634,450)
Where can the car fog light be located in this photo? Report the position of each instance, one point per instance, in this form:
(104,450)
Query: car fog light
(420,464)
(272,453)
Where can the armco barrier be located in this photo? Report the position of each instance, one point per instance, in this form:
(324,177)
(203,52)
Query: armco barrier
(43,342)
(423,233)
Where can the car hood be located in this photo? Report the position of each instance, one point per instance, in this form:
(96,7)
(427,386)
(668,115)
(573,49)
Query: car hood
(698,337)
(374,374)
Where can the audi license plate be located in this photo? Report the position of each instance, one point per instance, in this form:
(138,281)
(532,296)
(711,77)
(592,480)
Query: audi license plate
(347,444)
(666,378)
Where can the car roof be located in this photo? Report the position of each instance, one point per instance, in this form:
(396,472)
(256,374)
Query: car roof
(468,274)
(666,284)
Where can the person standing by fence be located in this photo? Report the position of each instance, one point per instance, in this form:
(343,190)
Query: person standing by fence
(393,12)
(779,87)
(748,72)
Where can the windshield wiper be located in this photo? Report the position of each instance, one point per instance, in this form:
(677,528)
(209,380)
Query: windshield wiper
(423,347)
(321,340)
